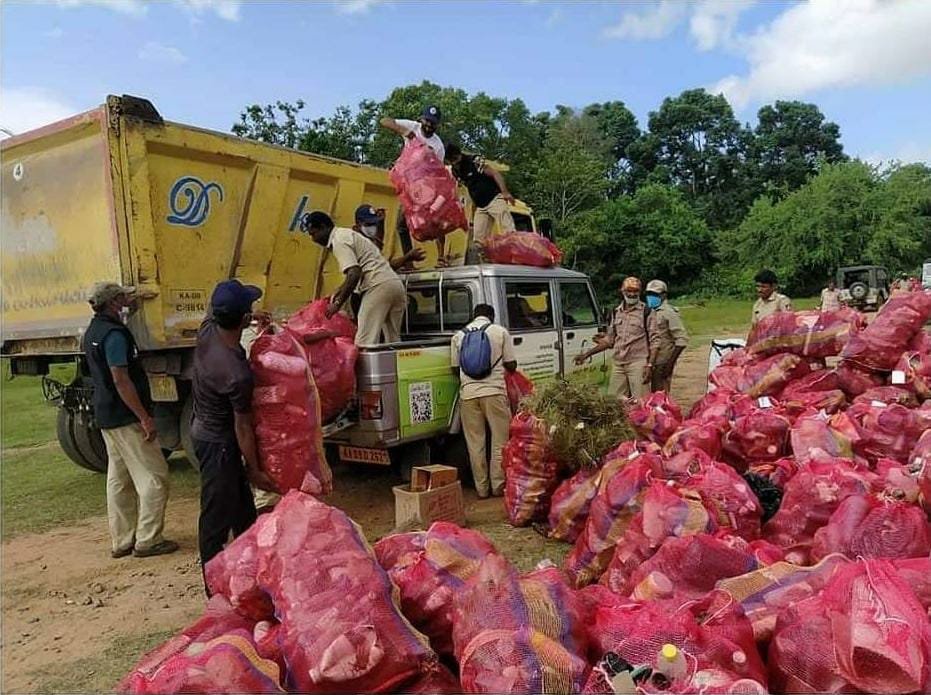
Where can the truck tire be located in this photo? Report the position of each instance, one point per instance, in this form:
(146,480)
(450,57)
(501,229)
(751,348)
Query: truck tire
(187,442)
(67,428)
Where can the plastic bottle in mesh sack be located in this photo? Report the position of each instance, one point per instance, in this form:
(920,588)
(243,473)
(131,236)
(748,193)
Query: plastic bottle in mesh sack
(571,503)
(805,333)
(880,345)
(769,376)
(697,434)
(530,471)
(884,431)
(522,248)
(919,466)
(656,417)
(762,435)
(917,368)
(519,386)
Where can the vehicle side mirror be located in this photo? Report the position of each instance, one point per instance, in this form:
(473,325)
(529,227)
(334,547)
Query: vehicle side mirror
(545,227)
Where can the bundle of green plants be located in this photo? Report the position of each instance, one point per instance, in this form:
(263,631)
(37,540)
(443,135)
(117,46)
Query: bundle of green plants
(584,423)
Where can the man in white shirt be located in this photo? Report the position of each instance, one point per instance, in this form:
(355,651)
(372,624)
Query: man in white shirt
(424,130)
(383,297)
(830,297)
(483,400)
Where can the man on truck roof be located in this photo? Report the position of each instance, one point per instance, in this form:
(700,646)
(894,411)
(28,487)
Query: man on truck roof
(482,351)
(223,429)
(489,194)
(423,130)
(137,473)
(383,297)
(370,223)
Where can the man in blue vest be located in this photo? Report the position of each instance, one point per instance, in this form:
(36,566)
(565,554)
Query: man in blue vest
(137,473)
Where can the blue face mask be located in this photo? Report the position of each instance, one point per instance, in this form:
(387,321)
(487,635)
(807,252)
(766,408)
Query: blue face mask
(653,301)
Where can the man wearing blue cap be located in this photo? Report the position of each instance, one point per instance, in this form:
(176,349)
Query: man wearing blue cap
(424,130)
(370,223)
(223,431)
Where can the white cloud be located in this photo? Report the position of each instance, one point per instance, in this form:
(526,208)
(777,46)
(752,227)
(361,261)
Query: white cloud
(713,22)
(154,52)
(356,6)
(655,22)
(224,9)
(906,153)
(26,108)
(826,44)
(131,7)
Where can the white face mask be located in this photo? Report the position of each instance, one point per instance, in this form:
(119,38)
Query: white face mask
(631,300)
(370,230)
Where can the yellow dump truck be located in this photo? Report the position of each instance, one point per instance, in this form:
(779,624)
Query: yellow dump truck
(117,193)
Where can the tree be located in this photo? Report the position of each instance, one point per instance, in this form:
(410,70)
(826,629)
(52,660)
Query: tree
(789,142)
(261,123)
(619,126)
(898,215)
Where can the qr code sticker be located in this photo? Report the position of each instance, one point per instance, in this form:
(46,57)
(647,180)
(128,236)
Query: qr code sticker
(421,397)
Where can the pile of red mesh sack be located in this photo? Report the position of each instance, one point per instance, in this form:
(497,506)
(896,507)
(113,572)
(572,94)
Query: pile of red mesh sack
(430,568)
(762,435)
(571,503)
(428,193)
(519,386)
(530,471)
(516,634)
(881,344)
(332,359)
(522,248)
(804,333)
(656,417)
(286,406)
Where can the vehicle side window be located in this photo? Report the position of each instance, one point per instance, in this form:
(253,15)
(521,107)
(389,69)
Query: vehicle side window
(423,309)
(578,309)
(457,307)
(529,305)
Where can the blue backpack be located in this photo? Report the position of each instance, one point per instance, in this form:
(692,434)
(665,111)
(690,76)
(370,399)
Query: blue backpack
(475,353)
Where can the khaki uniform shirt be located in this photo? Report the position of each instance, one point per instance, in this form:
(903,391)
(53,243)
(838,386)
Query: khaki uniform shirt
(767,307)
(830,299)
(502,350)
(628,334)
(351,249)
(667,332)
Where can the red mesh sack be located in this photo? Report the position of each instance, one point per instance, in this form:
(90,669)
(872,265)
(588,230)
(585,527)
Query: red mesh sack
(810,498)
(286,406)
(814,436)
(919,465)
(234,574)
(615,505)
(866,631)
(916,572)
(656,417)
(694,434)
(394,548)
(341,630)
(332,359)
(216,654)
(668,511)
(522,248)
(817,380)
(804,333)
(439,681)
(689,567)
(880,345)
(763,435)
(428,193)
(766,593)
(888,395)
(519,386)
(729,498)
(868,527)
(266,634)
(853,381)
(530,471)
(430,577)
(895,482)
(726,376)
(884,431)
(769,376)
(777,472)
(917,368)
(571,502)
(721,406)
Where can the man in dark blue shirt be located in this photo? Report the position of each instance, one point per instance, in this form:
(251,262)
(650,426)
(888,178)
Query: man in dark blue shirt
(136,469)
(223,428)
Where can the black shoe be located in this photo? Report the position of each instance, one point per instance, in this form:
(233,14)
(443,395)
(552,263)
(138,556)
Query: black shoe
(122,552)
(162,548)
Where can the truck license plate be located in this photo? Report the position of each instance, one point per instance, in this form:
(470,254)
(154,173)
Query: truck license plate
(357,454)
(163,388)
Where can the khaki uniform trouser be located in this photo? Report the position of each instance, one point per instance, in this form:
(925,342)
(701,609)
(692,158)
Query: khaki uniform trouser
(137,488)
(265,499)
(381,312)
(627,379)
(476,413)
(658,381)
(483,222)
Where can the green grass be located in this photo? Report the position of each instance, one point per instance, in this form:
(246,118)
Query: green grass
(41,488)
(720,318)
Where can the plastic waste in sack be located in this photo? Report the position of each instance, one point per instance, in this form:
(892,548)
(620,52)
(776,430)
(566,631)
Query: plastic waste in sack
(522,248)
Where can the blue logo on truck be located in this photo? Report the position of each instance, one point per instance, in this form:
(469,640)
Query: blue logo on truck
(189,201)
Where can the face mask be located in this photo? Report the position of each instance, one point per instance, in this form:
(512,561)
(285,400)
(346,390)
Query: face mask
(653,301)
(630,300)
(124,314)
(370,230)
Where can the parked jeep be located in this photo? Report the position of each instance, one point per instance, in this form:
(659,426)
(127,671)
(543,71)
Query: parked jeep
(863,287)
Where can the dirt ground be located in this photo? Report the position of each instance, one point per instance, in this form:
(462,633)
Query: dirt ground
(75,620)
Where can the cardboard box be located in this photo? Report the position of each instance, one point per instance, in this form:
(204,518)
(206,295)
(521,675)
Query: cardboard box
(417,510)
(432,477)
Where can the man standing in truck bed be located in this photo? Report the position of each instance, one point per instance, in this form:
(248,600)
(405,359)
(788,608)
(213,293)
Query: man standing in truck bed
(137,473)
(489,194)
(423,130)
(383,297)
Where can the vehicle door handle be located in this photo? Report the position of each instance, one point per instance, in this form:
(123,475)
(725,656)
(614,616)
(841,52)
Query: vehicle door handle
(518,341)
(570,335)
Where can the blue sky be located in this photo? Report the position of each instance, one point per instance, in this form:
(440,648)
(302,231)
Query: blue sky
(866,63)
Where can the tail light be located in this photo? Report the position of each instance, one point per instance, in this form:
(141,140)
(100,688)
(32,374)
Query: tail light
(370,405)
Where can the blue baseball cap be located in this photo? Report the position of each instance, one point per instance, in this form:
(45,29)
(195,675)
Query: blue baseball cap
(366,214)
(431,114)
(232,297)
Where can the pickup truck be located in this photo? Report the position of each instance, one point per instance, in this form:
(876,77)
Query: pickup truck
(408,395)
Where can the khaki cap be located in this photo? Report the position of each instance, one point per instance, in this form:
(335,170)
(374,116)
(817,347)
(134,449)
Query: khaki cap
(631,283)
(657,286)
(104,292)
